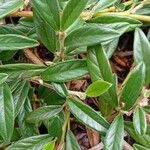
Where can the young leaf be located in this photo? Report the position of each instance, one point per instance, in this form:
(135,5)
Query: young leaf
(49,146)
(71,142)
(139,147)
(103,4)
(44,113)
(65,71)
(132,86)
(71,12)
(143,140)
(115,134)
(142,51)
(10,6)
(7,112)
(20,95)
(92,34)
(45,33)
(3,77)
(33,142)
(97,88)
(49,11)
(139,121)
(16,42)
(87,115)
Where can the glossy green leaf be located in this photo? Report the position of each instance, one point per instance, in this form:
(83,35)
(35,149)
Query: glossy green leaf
(20,95)
(7,112)
(97,88)
(104,4)
(61,89)
(147,109)
(3,77)
(139,121)
(133,86)
(45,33)
(10,6)
(49,11)
(115,135)
(33,142)
(139,147)
(92,34)
(65,71)
(16,42)
(26,129)
(87,115)
(143,140)
(71,142)
(43,113)
(71,12)
(49,146)
(142,51)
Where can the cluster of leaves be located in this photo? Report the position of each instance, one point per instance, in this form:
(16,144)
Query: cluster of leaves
(67,28)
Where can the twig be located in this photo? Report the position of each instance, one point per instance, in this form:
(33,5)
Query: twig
(32,57)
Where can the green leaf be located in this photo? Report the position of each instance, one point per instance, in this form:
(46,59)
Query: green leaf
(34,142)
(20,95)
(26,129)
(49,11)
(92,34)
(143,140)
(45,33)
(10,6)
(49,146)
(139,147)
(71,12)
(132,86)
(142,51)
(3,77)
(61,89)
(44,113)
(102,4)
(71,142)
(115,135)
(87,115)
(109,19)
(147,109)
(139,121)
(7,112)
(16,42)
(97,88)
(65,71)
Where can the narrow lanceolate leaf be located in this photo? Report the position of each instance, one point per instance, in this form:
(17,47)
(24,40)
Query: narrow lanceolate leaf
(71,142)
(20,95)
(6,112)
(132,86)
(16,42)
(33,142)
(45,33)
(147,109)
(72,12)
(10,6)
(104,4)
(44,113)
(87,115)
(65,71)
(97,88)
(26,129)
(92,34)
(115,134)
(49,11)
(3,77)
(139,147)
(139,121)
(142,51)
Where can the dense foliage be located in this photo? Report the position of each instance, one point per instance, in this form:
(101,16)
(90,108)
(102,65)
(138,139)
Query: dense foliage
(35,92)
